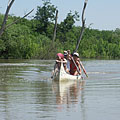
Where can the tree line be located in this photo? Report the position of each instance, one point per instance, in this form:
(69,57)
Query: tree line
(33,38)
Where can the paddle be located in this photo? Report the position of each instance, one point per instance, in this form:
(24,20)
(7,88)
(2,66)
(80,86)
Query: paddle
(83,68)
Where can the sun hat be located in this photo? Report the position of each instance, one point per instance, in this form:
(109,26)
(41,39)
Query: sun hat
(60,55)
(76,54)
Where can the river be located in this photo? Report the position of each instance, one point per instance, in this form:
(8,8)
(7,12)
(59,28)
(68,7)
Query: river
(28,93)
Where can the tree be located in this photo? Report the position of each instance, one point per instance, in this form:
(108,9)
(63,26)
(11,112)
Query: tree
(67,25)
(6,16)
(83,26)
(69,21)
(44,16)
(3,26)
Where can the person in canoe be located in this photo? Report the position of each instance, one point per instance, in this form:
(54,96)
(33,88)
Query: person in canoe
(59,58)
(75,68)
(67,56)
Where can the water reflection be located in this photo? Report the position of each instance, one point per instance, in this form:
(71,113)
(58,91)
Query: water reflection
(67,92)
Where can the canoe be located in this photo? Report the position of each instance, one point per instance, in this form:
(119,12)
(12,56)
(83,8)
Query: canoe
(63,75)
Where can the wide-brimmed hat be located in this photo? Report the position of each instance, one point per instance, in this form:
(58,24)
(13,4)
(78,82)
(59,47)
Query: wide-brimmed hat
(76,54)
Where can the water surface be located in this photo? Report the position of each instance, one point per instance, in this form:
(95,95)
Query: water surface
(28,93)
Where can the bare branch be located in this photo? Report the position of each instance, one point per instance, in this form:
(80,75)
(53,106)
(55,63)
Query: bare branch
(9,2)
(18,19)
(83,26)
(55,27)
(6,16)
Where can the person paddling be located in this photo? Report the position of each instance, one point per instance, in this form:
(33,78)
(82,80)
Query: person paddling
(75,68)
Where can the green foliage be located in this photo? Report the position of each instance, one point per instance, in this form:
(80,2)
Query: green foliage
(44,16)
(33,38)
(66,26)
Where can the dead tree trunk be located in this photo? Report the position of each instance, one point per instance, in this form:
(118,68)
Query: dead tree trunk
(3,27)
(55,27)
(6,16)
(83,26)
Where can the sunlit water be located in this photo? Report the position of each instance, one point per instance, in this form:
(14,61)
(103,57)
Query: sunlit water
(28,93)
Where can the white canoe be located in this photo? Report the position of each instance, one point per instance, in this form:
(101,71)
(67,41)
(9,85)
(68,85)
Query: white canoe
(62,75)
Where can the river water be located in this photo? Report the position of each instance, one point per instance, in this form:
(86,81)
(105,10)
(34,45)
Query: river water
(28,93)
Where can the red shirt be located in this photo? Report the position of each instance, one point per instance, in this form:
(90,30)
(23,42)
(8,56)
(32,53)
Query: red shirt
(73,68)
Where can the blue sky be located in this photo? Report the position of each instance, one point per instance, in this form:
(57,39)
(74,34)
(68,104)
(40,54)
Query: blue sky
(104,14)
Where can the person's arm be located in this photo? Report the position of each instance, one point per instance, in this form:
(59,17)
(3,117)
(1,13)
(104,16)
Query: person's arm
(59,61)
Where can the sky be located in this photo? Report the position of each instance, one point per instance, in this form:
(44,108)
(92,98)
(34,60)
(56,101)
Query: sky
(101,14)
